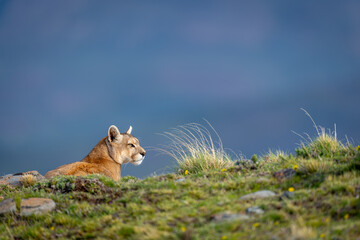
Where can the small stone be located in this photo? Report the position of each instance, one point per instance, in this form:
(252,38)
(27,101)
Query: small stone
(254,210)
(180,180)
(7,206)
(242,161)
(36,206)
(229,217)
(258,194)
(6,176)
(246,163)
(11,180)
(284,174)
(287,195)
(262,180)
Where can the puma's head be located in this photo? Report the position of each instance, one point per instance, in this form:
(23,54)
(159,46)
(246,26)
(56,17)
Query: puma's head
(124,147)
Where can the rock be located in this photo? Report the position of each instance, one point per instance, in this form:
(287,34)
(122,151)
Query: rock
(284,174)
(287,195)
(254,210)
(17,179)
(7,206)
(229,217)
(245,163)
(36,206)
(180,180)
(258,194)
(6,176)
(262,180)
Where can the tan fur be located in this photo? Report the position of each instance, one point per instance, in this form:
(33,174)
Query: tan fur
(106,157)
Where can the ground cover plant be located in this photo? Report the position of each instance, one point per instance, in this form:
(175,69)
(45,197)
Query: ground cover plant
(316,190)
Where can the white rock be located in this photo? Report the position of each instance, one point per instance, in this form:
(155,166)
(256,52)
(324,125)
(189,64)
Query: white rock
(15,180)
(229,217)
(7,206)
(258,194)
(254,210)
(180,180)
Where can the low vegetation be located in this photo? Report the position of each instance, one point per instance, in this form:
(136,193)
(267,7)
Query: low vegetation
(317,197)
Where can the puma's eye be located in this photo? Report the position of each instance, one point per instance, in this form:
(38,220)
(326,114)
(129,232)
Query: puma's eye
(131,145)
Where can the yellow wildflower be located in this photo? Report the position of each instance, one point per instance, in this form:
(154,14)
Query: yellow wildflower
(276,223)
(327,220)
(70,197)
(322,235)
(346,216)
(256,224)
(183,229)
(223,237)
(223,170)
(52,228)
(291,189)
(186,172)
(295,167)
(358,148)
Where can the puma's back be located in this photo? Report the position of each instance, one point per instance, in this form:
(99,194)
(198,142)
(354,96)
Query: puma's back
(106,157)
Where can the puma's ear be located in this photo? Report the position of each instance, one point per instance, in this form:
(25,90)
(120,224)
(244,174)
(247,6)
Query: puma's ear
(129,130)
(114,134)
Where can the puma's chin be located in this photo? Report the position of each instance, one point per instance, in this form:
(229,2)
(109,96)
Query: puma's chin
(138,160)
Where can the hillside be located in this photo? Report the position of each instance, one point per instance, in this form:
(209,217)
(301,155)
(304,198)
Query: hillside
(312,195)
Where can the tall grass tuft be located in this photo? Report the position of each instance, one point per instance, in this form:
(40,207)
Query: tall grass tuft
(325,145)
(310,166)
(276,156)
(28,180)
(193,147)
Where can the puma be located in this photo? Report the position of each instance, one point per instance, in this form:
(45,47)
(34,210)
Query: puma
(106,157)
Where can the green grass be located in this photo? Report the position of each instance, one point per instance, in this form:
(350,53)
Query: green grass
(325,204)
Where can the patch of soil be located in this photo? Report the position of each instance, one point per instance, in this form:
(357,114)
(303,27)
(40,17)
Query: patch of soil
(284,174)
(91,185)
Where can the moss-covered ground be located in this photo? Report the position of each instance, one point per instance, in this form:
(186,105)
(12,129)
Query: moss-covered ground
(324,203)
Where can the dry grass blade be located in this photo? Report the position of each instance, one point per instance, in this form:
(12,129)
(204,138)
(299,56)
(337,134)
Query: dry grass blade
(193,147)
(325,145)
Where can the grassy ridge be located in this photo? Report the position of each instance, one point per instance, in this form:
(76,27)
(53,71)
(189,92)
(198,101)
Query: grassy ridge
(324,202)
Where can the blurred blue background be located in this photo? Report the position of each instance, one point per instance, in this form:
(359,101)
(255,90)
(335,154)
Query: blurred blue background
(70,69)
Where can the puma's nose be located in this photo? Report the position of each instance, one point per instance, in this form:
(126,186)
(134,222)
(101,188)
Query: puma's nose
(143,153)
